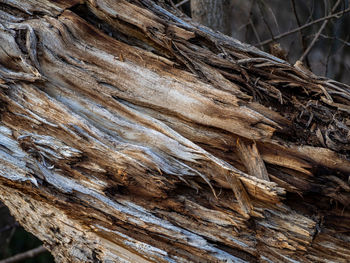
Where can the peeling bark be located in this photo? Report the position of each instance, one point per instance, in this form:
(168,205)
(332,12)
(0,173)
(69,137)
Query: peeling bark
(130,134)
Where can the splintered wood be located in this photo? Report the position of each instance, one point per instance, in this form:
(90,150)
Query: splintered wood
(129,133)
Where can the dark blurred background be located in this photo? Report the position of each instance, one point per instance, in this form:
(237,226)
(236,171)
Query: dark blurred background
(256,21)
(14,239)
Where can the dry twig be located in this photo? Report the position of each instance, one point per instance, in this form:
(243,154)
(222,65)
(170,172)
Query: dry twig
(335,15)
(181,3)
(28,254)
(318,33)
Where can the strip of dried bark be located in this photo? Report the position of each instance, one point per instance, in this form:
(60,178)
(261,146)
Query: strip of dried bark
(119,125)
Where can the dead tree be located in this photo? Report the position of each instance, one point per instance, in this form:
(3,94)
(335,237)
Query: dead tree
(215,14)
(130,134)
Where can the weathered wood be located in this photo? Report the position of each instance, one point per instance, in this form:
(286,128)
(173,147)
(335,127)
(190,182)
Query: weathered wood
(130,134)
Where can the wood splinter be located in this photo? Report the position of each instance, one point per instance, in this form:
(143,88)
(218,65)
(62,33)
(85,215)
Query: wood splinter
(251,158)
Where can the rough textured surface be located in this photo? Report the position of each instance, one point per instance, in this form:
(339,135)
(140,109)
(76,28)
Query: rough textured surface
(130,134)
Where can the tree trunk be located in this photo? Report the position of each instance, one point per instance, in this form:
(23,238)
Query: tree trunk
(130,134)
(215,14)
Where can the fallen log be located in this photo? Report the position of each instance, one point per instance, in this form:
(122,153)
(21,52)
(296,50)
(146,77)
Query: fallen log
(130,133)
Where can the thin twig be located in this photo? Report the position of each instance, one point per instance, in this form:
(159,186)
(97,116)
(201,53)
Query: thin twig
(9,237)
(328,57)
(8,227)
(253,26)
(255,32)
(28,254)
(306,52)
(181,3)
(296,15)
(311,12)
(345,42)
(325,7)
(273,16)
(260,3)
(302,38)
(303,27)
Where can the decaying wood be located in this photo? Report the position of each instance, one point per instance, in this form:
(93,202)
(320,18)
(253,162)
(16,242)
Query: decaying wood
(130,134)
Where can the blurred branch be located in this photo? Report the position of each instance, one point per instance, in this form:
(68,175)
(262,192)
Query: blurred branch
(28,254)
(260,3)
(255,32)
(336,15)
(8,227)
(301,35)
(251,23)
(345,42)
(9,237)
(273,16)
(328,57)
(181,3)
(302,57)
